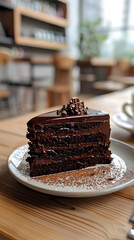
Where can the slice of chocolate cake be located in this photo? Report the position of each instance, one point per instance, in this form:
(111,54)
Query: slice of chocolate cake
(71,138)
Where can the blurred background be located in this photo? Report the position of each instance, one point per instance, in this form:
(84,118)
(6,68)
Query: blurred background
(52,50)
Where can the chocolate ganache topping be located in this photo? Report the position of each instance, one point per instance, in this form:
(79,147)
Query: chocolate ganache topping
(75,107)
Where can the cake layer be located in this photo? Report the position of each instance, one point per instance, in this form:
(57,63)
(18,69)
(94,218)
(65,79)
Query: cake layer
(65,127)
(64,131)
(70,146)
(58,141)
(41,167)
(67,153)
(46,159)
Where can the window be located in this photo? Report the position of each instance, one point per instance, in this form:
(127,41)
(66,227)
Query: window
(117,22)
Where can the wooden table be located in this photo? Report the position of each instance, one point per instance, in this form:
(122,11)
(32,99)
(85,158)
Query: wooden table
(26,214)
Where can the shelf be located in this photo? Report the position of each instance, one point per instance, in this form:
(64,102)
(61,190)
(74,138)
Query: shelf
(26,41)
(14,19)
(12,6)
(44,17)
(6,40)
(6,5)
(61,1)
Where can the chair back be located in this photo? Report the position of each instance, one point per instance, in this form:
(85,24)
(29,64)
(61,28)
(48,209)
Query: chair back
(63,69)
(5,56)
(121,68)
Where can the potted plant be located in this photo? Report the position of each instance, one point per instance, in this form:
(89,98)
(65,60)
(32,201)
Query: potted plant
(90,39)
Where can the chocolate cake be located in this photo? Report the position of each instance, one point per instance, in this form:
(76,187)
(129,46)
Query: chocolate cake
(71,138)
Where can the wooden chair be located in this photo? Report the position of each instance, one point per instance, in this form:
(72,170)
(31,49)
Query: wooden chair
(116,81)
(61,91)
(5,93)
(5,57)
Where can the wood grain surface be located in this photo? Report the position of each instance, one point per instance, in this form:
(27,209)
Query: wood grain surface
(26,214)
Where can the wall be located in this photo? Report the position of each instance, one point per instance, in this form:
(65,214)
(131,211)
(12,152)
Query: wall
(73,28)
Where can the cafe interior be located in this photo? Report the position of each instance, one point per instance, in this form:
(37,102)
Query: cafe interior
(53,50)
(50,52)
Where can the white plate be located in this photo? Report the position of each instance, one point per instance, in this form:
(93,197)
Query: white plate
(116,176)
(121,120)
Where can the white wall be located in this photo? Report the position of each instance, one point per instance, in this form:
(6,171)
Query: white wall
(72,33)
(72,30)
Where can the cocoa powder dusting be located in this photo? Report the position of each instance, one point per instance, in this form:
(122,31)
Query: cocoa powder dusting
(99,177)
(92,178)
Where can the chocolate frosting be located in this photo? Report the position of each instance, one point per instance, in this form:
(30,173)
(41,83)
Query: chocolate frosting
(52,117)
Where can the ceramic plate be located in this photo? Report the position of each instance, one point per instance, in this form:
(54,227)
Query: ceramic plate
(121,120)
(92,181)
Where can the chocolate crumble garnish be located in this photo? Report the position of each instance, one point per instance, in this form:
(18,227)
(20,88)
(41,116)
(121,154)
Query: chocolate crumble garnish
(75,107)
